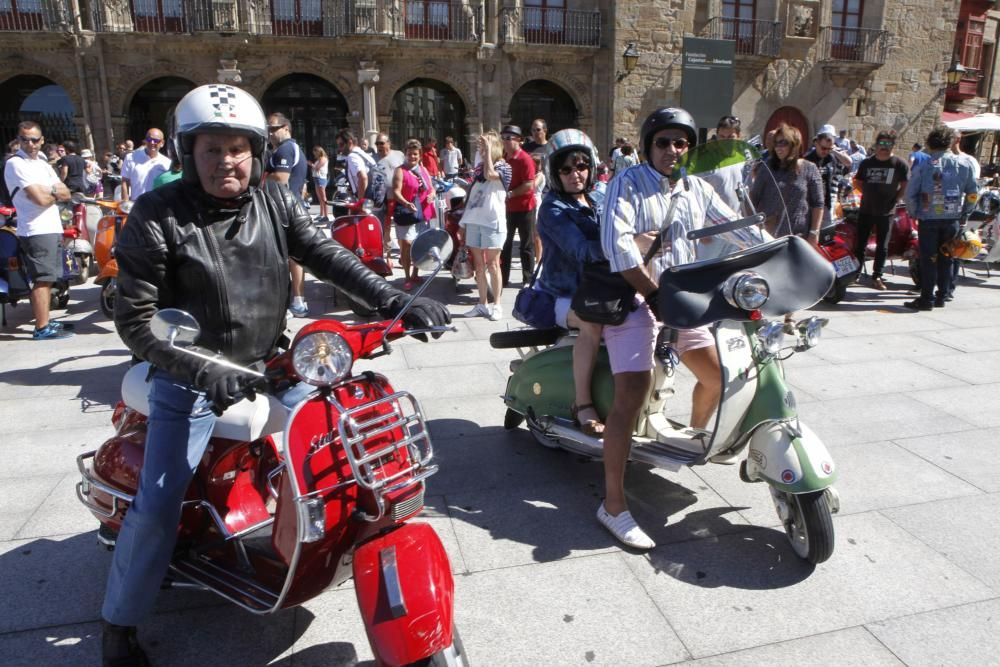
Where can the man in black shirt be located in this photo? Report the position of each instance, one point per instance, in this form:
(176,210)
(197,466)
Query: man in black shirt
(72,168)
(883,179)
(831,163)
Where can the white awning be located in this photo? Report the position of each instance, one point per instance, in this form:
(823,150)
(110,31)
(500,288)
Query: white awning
(984,122)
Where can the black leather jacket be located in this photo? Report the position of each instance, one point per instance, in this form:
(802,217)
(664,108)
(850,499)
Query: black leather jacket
(228,267)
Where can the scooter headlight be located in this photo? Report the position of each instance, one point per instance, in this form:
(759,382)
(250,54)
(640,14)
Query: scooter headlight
(772,337)
(811,331)
(746,290)
(367,206)
(322,358)
(125,206)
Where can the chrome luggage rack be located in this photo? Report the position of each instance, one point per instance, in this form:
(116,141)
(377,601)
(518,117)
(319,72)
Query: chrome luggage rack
(367,464)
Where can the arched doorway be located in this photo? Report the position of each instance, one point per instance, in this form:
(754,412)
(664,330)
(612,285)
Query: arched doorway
(315,107)
(151,104)
(31,97)
(793,117)
(543,99)
(426,109)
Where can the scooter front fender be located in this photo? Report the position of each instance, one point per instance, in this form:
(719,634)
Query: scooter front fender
(789,456)
(405,594)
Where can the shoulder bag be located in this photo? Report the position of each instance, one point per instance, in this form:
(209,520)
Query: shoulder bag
(533,306)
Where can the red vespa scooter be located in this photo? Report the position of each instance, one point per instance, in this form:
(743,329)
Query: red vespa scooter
(360,232)
(312,483)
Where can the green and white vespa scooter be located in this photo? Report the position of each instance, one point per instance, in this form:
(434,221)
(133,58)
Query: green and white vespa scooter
(744,296)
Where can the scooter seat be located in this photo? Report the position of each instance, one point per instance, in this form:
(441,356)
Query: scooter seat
(243,421)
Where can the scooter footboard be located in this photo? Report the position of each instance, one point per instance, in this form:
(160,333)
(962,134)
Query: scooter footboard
(405,594)
(790,457)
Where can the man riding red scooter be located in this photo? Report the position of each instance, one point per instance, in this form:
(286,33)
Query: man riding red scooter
(215,244)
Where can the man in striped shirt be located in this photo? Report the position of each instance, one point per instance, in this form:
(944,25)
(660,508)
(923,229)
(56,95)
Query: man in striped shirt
(637,204)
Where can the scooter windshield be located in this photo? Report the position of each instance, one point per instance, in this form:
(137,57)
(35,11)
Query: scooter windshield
(711,190)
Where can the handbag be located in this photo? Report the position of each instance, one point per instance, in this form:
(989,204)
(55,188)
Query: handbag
(533,306)
(603,297)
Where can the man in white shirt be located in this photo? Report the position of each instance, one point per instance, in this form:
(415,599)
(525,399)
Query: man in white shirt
(35,188)
(358,162)
(451,158)
(385,167)
(142,166)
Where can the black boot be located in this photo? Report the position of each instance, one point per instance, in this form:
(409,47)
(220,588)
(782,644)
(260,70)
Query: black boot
(120,648)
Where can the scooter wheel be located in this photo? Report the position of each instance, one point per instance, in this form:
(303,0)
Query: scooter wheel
(107,299)
(512,419)
(808,524)
(59,300)
(836,293)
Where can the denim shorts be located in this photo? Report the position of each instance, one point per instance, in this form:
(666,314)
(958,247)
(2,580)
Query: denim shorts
(43,258)
(321,182)
(409,233)
(478,236)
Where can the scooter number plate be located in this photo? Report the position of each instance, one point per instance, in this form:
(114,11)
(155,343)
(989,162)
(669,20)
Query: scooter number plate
(845,265)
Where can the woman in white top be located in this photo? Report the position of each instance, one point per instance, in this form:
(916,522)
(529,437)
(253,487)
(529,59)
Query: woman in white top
(321,176)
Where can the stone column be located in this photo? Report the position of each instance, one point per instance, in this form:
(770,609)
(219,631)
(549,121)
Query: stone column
(368,77)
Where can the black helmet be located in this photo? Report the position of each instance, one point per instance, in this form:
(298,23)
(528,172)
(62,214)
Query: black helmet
(663,118)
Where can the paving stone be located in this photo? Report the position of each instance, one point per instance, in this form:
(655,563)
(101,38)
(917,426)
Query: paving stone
(450,381)
(449,353)
(888,320)
(759,592)
(857,419)
(962,529)
(59,646)
(20,500)
(557,520)
(983,368)
(969,455)
(869,378)
(559,614)
(975,404)
(854,647)
(55,454)
(61,513)
(968,317)
(965,635)
(852,349)
(977,339)
(329,632)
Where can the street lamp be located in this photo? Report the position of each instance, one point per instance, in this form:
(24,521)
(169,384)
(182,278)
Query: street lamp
(955,72)
(630,58)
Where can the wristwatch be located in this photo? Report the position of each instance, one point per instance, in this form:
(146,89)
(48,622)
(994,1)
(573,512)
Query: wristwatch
(813,232)
(53,191)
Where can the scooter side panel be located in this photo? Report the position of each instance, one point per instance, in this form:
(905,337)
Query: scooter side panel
(544,384)
(738,381)
(421,581)
(773,400)
(790,458)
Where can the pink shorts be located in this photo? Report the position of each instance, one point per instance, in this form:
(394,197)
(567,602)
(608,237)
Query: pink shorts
(630,344)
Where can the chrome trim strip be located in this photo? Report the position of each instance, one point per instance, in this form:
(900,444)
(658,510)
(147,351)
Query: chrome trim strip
(390,577)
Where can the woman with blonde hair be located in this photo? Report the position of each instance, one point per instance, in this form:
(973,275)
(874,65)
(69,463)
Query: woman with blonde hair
(321,176)
(484,223)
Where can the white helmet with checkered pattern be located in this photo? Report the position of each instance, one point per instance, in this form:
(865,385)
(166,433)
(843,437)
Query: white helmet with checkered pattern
(219,108)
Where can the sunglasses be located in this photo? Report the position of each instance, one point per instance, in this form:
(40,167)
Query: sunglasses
(537,129)
(153,140)
(274,128)
(29,140)
(380,143)
(579,168)
(510,137)
(886,144)
(782,142)
(664,142)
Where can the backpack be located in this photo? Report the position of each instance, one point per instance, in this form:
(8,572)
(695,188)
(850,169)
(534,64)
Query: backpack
(370,191)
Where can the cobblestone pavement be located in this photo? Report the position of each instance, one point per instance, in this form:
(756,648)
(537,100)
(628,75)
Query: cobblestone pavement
(907,403)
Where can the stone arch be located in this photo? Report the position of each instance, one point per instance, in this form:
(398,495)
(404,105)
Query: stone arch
(316,108)
(152,110)
(387,88)
(18,66)
(126,93)
(50,105)
(426,108)
(528,102)
(572,86)
(349,88)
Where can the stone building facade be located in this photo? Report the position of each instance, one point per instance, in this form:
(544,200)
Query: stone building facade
(492,61)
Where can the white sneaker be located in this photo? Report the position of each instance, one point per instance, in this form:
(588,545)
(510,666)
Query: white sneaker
(625,529)
(480,310)
(496,313)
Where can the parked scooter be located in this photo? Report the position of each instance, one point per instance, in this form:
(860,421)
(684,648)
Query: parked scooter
(78,241)
(743,296)
(836,244)
(903,244)
(310,484)
(15,284)
(360,231)
(108,228)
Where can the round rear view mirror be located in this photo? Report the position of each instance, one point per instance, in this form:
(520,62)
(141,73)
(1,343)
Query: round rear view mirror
(172,325)
(430,249)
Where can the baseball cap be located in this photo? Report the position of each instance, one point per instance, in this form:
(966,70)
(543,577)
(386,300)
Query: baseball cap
(827,130)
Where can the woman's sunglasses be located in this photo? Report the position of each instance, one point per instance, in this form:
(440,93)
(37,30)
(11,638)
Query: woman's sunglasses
(579,168)
(664,142)
(782,142)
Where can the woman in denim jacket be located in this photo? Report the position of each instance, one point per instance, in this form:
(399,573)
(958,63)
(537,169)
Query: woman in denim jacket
(569,226)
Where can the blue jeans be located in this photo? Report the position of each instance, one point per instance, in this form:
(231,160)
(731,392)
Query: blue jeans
(180,425)
(935,268)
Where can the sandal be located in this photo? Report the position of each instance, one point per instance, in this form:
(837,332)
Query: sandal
(591,427)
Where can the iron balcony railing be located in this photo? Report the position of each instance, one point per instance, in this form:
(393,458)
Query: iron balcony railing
(540,25)
(456,20)
(857,45)
(753,37)
(35,16)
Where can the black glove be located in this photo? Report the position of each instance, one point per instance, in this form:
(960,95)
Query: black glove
(224,386)
(423,313)
(652,300)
